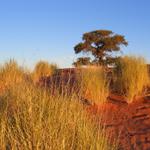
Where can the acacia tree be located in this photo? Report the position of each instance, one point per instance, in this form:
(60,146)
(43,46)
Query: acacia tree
(100,44)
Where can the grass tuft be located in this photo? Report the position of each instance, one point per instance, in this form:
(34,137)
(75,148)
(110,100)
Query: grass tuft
(43,69)
(94,84)
(131,76)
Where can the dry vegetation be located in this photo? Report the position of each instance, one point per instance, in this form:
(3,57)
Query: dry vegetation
(11,74)
(33,118)
(43,69)
(94,84)
(131,76)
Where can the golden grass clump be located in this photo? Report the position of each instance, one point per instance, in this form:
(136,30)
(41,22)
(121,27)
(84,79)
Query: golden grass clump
(94,84)
(31,118)
(131,76)
(10,74)
(43,69)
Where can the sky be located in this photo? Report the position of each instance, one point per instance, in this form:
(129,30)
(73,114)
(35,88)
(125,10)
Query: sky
(32,30)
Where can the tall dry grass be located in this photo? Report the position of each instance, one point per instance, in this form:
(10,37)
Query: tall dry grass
(33,118)
(131,76)
(43,69)
(94,84)
(10,74)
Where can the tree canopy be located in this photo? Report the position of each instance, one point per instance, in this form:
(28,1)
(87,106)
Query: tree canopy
(100,44)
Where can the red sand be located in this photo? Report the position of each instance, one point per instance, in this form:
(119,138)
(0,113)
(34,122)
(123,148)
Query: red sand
(129,123)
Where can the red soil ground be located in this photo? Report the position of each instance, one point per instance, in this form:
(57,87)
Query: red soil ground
(129,123)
